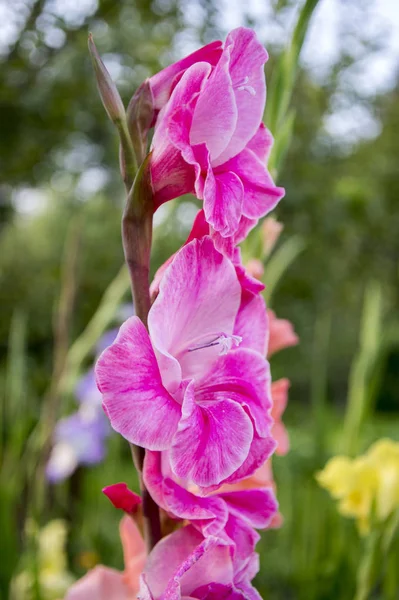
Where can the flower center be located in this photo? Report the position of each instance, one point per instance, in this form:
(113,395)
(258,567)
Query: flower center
(226,342)
(242,86)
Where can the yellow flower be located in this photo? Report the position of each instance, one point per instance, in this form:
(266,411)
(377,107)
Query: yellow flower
(367,487)
(54,577)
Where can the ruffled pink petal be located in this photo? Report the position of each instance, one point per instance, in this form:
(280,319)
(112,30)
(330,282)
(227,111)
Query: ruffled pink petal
(100,583)
(134,553)
(208,514)
(213,438)
(192,309)
(223,201)
(162,83)
(183,561)
(242,376)
(215,114)
(247,60)
(227,245)
(282,334)
(256,507)
(246,477)
(136,403)
(260,193)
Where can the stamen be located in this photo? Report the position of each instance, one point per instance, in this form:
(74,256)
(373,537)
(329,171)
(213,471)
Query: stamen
(242,86)
(225,341)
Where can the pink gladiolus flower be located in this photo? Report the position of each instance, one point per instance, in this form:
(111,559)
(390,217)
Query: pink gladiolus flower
(103,583)
(281,334)
(186,387)
(187,566)
(209,138)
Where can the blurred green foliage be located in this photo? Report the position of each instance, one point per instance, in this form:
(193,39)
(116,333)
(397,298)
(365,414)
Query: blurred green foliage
(340,210)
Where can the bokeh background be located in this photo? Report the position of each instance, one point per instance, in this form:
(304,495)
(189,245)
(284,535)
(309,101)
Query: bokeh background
(335,273)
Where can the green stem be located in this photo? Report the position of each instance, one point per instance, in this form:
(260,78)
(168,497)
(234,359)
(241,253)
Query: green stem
(137,238)
(366,574)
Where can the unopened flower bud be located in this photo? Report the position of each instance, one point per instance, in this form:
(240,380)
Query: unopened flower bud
(123,498)
(140,116)
(107,89)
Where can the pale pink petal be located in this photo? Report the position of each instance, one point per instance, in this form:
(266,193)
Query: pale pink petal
(215,114)
(134,553)
(271,230)
(100,583)
(198,300)
(247,60)
(223,201)
(280,397)
(213,439)
(255,268)
(162,83)
(136,403)
(282,334)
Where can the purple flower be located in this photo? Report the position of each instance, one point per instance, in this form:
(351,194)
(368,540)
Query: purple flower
(78,440)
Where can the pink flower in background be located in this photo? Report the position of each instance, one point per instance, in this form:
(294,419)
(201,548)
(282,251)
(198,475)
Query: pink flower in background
(186,387)
(271,230)
(281,334)
(103,583)
(187,566)
(209,138)
(280,398)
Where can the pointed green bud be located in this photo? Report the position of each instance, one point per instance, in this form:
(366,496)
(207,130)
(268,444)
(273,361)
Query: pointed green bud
(107,89)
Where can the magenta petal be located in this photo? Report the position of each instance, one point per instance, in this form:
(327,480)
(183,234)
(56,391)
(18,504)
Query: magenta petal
(256,507)
(260,193)
(261,449)
(212,440)
(223,199)
(121,497)
(136,403)
(251,323)
(198,300)
(162,83)
(183,561)
(215,114)
(247,60)
(261,143)
(171,174)
(244,377)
